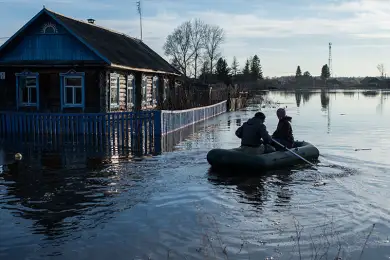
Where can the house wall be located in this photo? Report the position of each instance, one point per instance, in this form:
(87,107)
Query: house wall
(45,40)
(149,85)
(50,90)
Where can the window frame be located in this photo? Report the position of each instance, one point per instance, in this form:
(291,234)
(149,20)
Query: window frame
(144,87)
(72,74)
(73,87)
(154,91)
(130,86)
(19,91)
(111,87)
(166,90)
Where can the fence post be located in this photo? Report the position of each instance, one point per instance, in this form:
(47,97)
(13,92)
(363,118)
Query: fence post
(157,131)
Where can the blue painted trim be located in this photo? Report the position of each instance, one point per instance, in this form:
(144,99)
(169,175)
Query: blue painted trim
(17,93)
(71,74)
(83,91)
(22,29)
(77,37)
(61,92)
(37,84)
(27,74)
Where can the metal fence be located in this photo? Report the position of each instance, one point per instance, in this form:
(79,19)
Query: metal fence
(172,120)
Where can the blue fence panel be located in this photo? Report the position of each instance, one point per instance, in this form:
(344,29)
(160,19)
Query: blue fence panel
(133,129)
(175,120)
(139,131)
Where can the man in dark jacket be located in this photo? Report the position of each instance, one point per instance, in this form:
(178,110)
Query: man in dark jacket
(283,133)
(253,134)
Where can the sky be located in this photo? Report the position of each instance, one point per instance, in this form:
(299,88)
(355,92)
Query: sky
(283,33)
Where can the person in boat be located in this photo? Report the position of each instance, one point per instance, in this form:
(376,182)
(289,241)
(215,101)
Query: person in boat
(283,133)
(254,136)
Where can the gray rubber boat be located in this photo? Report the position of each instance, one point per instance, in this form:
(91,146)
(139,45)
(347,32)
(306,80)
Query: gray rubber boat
(234,158)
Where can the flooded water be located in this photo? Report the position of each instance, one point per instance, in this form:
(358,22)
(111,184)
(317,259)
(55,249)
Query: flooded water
(70,205)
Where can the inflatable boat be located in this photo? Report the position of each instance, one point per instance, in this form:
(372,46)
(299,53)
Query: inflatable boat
(234,158)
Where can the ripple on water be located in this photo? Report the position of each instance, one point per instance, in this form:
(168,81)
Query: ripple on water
(168,203)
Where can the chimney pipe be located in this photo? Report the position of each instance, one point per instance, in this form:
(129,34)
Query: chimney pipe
(91,21)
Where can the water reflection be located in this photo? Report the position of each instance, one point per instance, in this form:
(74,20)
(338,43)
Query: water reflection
(298,98)
(62,191)
(324,99)
(54,199)
(370,93)
(256,190)
(349,93)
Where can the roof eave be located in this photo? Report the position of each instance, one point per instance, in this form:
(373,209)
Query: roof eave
(113,65)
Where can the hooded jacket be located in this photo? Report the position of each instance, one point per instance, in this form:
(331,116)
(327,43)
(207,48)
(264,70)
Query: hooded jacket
(253,133)
(284,130)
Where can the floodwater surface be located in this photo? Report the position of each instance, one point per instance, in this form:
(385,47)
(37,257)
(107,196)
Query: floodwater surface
(69,205)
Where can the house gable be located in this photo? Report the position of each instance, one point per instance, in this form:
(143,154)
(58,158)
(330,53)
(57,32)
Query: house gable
(44,40)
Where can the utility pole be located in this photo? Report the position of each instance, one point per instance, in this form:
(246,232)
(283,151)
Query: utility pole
(330,60)
(140,15)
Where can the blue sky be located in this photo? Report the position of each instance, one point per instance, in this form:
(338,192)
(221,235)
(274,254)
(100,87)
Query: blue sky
(283,33)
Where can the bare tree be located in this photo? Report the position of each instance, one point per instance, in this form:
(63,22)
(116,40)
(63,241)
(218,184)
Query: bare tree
(234,66)
(178,47)
(381,69)
(193,42)
(214,37)
(197,41)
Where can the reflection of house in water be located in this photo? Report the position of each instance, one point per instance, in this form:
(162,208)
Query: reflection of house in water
(304,95)
(64,190)
(349,93)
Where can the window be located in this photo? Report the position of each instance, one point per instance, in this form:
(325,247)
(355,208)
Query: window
(166,90)
(154,91)
(144,91)
(28,90)
(73,91)
(114,90)
(130,93)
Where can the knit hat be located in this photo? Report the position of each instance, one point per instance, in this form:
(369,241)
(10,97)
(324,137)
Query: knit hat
(281,112)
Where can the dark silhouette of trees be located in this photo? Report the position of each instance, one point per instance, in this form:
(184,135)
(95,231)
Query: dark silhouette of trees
(298,73)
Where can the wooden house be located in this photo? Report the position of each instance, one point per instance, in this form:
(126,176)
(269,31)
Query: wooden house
(56,64)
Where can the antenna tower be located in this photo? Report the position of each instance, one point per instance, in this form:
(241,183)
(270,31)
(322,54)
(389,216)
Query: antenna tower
(140,15)
(330,59)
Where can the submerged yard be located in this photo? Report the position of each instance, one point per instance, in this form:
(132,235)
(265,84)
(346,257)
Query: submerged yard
(69,204)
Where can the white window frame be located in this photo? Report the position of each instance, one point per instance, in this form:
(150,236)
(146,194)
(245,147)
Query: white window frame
(73,87)
(114,78)
(130,88)
(28,88)
(154,91)
(166,81)
(144,90)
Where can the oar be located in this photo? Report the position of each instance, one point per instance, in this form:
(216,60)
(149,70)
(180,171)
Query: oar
(297,155)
